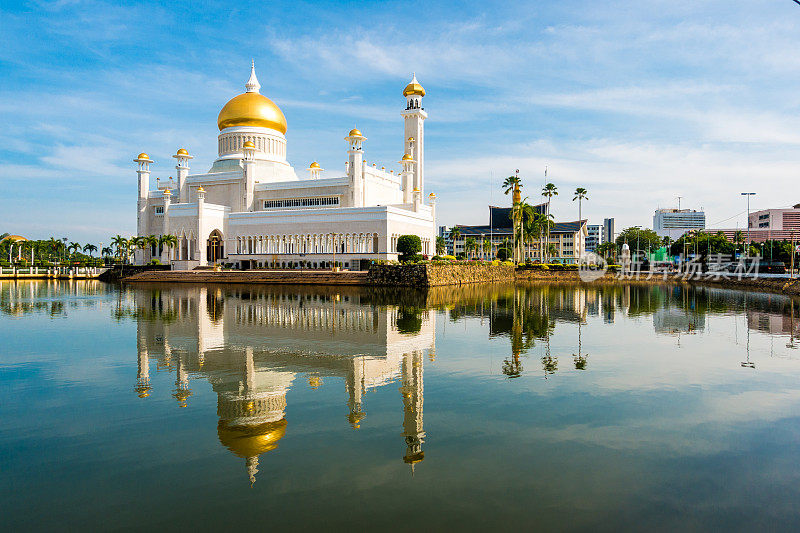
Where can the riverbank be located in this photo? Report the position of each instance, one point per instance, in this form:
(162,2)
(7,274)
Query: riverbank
(442,275)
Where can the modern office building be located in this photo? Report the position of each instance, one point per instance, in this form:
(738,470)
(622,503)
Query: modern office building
(608,230)
(767,224)
(593,233)
(673,223)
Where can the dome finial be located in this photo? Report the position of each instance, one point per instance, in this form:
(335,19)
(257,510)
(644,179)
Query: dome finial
(252,84)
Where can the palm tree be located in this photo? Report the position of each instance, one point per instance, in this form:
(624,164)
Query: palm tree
(548,191)
(470,246)
(90,249)
(455,233)
(487,248)
(512,184)
(150,241)
(73,247)
(168,241)
(580,195)
(441,246)
(121,244)
(738,237)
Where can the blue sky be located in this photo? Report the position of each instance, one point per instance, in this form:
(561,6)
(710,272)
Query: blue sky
(638,102)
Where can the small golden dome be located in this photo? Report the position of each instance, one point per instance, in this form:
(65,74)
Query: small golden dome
(167,192)
(252,109)
(355,133)
(411,139)
(407,157)
(314,166)
(431,195)
(143,156)
(249,144)
(182,151)
(414,88)
(200,189)
(415,190)
(250,441)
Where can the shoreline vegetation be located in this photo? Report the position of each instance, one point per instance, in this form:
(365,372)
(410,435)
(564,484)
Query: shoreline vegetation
(439,275)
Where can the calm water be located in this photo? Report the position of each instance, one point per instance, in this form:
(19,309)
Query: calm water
(276,407)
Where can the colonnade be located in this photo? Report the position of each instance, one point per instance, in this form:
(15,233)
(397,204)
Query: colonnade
(340,243)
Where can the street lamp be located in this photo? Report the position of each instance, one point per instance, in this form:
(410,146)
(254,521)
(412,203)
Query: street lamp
(748,195)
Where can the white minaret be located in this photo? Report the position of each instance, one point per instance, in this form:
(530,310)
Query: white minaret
(144,190)
(249,164)
(356,165)
(412,392)
(407,177)
(165,231)
(414,138)
(182,169)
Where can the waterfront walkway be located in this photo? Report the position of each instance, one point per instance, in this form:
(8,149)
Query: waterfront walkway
(304,277)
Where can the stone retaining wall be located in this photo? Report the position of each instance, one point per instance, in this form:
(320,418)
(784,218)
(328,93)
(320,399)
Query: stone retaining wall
(434,275)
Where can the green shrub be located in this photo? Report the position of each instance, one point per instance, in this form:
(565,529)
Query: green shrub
(503,253)
(154,262)
(449,257)
(409,246)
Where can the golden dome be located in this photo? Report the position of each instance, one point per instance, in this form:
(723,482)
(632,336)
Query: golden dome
(182,151)
(143,156)
(414,88)
(250,441)
(13,238)
(415,189)
(167,192)
(200,189)
(411,139)
(355,133)
(252,109)
(431,195)
(407,158)
(314,166)
(249,144)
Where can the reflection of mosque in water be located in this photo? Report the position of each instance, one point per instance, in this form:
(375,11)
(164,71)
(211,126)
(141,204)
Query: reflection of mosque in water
(251,345)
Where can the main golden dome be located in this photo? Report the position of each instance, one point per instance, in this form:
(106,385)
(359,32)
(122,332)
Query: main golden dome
(250,441)
(252,109)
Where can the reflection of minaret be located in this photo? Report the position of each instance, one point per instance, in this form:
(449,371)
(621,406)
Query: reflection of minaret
(355,389)
(412,392)
(182,391)
(143,374)
(252,417)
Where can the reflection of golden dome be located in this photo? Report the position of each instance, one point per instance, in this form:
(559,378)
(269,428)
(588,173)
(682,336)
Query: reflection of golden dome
(355,133)
(250,441)
(414,458)
(252,109)
(143,156)
(182,151)
(355,419)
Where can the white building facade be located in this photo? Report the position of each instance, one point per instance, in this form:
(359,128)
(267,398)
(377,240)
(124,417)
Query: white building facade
(251,210)
(673,223)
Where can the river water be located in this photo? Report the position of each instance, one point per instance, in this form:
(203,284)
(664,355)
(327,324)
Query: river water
(551,407)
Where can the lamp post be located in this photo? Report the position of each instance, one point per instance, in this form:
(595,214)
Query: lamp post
(748,195)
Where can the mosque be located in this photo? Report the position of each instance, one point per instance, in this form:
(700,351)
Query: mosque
(252,210)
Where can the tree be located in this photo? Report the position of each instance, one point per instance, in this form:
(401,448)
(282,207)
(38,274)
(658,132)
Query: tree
(639,239)
(167,241)
(455,234)
(504,250)
(511,184)
(441,246)
(548,191)
(471,246)
(606,250)
(409,247)
(121,244)
(74,247)
(580,195)
(487,247)
(90,249)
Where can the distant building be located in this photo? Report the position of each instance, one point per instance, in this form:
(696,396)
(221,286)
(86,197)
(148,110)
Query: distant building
(567,237)
(608,230)
(593,237)
(444,233)
(768,224)
(673,223)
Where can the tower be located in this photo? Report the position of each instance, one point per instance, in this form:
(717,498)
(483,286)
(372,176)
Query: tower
(248,164)
(182,169)
(412,391)
(414,116)
(144,190)
(407,177)
(355,165)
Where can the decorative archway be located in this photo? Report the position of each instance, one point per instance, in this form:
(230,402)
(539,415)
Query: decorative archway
(215,247)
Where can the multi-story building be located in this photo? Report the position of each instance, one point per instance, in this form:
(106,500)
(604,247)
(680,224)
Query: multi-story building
(673,223)
(592,237)
(568,238)
(767,224)
(444,233)
(608,230)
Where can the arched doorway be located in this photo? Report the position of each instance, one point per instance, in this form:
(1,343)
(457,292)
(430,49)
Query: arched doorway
(215,247)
